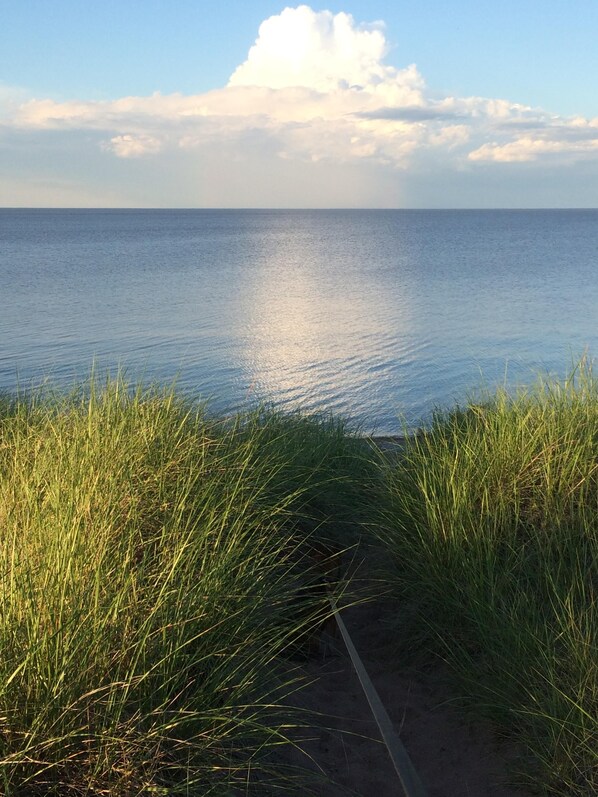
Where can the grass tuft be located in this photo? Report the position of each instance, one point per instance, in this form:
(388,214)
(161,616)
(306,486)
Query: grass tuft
(493,529)
(153,564)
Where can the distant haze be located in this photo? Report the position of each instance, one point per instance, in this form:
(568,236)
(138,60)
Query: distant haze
(320,109)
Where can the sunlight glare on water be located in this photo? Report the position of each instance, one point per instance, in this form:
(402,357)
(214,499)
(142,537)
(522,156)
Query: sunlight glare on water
(380,316)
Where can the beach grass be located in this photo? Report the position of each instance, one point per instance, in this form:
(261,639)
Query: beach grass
(492,529)
(155,572)
(161,570)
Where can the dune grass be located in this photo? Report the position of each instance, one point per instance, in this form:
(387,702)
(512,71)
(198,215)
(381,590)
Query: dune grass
(153,571)
(493,531)
(160,568)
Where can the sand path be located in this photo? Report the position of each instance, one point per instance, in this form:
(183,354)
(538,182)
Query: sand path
(453,757)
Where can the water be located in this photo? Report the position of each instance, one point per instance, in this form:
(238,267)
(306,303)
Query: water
(370,314)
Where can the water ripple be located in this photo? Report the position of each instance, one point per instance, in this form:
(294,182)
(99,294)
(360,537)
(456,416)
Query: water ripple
(373,314)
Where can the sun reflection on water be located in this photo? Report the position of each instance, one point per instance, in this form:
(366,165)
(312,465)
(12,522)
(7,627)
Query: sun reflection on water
(317,333)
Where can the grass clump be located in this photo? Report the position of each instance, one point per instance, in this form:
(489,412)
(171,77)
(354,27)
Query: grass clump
(494,537)
(151,561)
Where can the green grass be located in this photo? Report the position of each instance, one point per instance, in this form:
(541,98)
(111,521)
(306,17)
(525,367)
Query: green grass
(153,572)
(159,575)
(493,532)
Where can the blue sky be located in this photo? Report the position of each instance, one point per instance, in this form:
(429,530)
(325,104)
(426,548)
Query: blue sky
(381,104)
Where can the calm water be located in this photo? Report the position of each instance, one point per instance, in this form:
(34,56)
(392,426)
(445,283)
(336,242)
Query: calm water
(372,314)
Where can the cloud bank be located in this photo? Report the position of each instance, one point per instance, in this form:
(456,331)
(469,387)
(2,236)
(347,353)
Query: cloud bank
(315,88)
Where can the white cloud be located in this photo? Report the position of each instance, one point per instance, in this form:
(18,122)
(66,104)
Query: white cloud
(133,146)
(450,136)
(315,88)
(317,50)
(576,139)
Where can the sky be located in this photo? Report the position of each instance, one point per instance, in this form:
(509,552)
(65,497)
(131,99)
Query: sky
(185,103)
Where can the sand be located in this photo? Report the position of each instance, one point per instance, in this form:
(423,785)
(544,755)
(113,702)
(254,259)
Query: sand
(453,757)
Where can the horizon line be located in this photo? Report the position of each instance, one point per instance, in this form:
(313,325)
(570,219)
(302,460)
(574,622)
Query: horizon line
(296,208)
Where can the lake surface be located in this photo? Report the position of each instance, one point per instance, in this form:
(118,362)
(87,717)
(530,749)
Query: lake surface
(375,315)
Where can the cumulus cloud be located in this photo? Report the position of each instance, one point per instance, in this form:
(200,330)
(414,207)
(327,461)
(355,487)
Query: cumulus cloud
(527,148)
(317,50)
(534,140)
(315,87)
(310,86)
(133,146)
